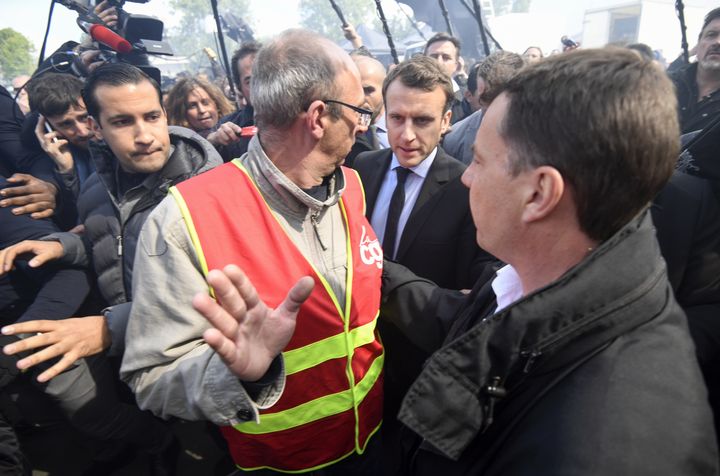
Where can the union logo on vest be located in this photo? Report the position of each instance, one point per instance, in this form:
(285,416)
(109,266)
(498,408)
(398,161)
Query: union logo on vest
(370,250)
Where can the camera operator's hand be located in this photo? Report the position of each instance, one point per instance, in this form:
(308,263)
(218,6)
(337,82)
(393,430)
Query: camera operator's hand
(91,59)
(30,195)
(53,146)
(107,14)
(227,133)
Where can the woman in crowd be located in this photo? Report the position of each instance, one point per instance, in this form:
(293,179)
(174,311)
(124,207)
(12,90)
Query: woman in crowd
(533,54)
(197,104)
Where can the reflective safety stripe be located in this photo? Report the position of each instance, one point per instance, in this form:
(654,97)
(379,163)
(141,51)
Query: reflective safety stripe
(316,409)
(187,217)
(330,348)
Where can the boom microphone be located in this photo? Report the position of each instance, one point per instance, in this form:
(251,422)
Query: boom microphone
(109,38)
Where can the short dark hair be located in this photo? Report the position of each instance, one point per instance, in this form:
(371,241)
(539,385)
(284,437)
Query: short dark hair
(421,72)
(496,70)
(114,74)
(53,94)
(472,78)
(643,50)
(712,15)
(443,37)
(246,49)
(606,120)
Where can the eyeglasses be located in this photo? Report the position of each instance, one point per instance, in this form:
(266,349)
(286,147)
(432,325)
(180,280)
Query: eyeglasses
(364,115)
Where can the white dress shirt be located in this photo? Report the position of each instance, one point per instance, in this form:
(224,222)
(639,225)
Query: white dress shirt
(413,185)
(507,287)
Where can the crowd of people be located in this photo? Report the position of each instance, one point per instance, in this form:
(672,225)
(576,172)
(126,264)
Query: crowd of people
(350,269)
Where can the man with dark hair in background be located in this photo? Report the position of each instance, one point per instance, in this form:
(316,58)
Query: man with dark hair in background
(59,126)
(491,75)
(697,84)
(470,102)
(445,49)
(227,138)
(138,159)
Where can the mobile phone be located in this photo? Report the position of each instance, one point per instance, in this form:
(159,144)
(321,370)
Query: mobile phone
(49,128)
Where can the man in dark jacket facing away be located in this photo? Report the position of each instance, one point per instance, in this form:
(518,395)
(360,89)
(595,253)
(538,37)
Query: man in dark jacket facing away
(137,159)
(576,358)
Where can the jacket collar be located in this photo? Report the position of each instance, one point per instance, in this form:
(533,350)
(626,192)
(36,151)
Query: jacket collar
(622,284)
(280,190)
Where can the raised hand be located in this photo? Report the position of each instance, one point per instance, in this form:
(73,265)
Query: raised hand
(227,133)
(246,333)
(55,147)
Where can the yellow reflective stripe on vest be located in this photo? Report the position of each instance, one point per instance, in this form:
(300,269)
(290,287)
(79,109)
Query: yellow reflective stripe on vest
(187,217)
(323,281)
(317,409)
(330,348)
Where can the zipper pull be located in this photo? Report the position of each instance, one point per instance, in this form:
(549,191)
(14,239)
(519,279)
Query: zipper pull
(531,356)
(119,245)
(314,220)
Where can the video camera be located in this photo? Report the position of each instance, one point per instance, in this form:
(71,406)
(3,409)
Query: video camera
(131,41)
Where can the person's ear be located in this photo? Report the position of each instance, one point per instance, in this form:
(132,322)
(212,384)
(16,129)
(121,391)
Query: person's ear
(445,121)
(316,118)
(95,128)
(545,187)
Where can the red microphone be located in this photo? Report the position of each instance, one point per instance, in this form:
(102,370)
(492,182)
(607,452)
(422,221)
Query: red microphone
(109,38)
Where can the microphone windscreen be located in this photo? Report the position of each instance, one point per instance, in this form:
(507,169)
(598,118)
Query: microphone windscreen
(108,37)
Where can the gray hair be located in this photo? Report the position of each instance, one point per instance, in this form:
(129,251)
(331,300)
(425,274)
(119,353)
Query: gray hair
(289,73)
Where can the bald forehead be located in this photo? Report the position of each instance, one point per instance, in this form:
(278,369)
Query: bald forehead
(368,66)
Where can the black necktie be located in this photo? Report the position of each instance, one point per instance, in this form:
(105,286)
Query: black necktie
(397,202)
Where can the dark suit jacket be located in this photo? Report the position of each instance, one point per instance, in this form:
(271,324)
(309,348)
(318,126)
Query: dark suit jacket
(362,144)
(438,242)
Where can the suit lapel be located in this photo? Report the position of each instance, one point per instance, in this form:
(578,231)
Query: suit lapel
(375,178)
(437,177)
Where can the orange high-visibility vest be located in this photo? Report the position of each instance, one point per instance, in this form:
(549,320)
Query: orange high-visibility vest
(332,402)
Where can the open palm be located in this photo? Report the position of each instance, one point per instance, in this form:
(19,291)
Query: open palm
(246,333)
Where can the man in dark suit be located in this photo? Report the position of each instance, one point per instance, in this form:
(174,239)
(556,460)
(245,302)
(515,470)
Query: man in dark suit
(430,231)
(418,208)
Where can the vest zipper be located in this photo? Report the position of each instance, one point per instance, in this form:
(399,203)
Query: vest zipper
(119,245)
(314,220)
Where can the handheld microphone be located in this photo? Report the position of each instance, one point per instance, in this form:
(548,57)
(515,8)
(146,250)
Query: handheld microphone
(109,38)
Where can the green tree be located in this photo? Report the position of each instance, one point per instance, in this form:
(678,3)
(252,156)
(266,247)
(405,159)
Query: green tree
(319,16)
(16,54)
(193,32)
